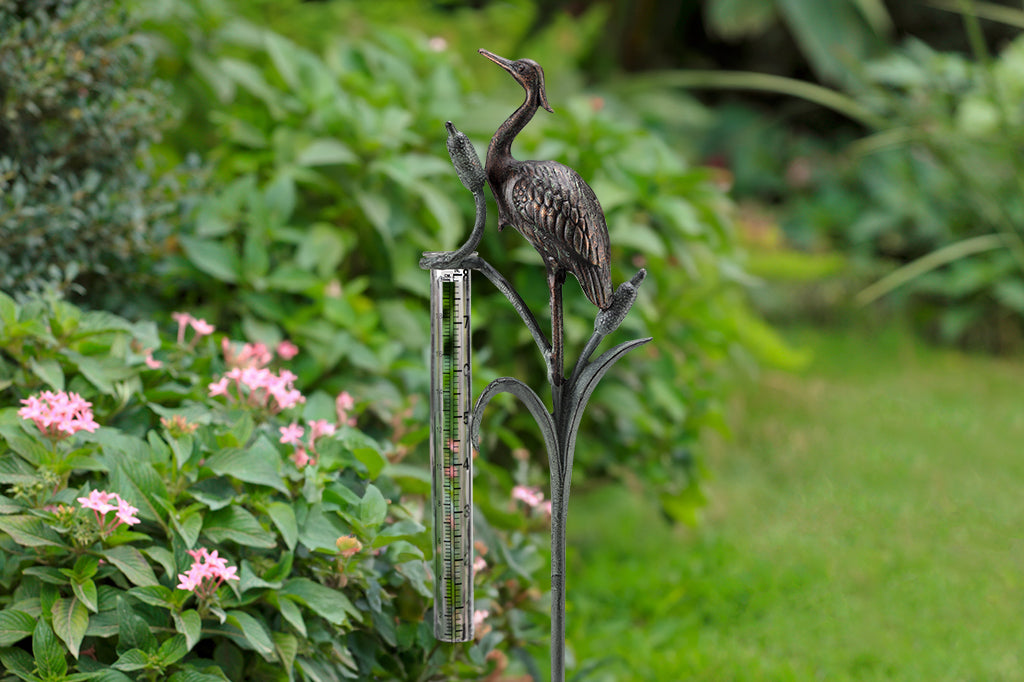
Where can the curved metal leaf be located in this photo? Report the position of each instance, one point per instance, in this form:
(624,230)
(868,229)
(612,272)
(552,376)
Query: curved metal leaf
(579,393)
(533,403)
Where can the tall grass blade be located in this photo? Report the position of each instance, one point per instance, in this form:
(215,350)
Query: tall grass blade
(749,80)
(927,263)
(983,10)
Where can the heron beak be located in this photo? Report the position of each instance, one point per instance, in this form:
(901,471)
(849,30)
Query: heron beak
(500,61)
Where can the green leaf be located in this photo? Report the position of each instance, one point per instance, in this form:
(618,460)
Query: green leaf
(734,19)
(85,590)
(70,621)
(197,676)
(283,516)
(325,151)
(49,371)
(8,310)
(154,595)
(15,626)
(48,652)
(190,624)
(132,564)
(30,531)
(404,529)
(138,482)
(18,661)
(293,614)
(133,659)
(372,459)
(133,631)
(254,633)
(237,525)
(329,604)
(212,257)
(173,650)
(373,508)
(259,464)
(292,279)
(321,530)
(85,566)
(287,647)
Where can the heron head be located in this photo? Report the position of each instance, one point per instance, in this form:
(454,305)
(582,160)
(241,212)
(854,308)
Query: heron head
(527,73)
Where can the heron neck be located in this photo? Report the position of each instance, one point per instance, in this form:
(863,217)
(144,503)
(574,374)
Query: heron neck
(501,143)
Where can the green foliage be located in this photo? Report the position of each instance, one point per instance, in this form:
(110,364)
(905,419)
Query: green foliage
(333,169)
(945,188)
(325,530)
(834,36)
(80,195)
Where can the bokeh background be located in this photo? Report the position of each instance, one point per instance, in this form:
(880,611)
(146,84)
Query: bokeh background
(813,472)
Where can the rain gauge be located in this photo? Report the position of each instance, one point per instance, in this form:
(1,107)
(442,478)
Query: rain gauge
(451,453)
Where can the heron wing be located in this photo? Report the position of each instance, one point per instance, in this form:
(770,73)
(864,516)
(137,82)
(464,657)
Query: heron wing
(563,212)
(562,218)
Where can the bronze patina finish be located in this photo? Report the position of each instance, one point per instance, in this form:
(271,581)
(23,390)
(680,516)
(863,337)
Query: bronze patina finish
(558,213)
(549,204)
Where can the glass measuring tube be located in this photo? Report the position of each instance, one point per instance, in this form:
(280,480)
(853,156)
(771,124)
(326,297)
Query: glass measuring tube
(451,459)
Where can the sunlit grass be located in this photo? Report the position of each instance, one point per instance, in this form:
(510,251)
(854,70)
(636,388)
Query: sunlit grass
(866,523)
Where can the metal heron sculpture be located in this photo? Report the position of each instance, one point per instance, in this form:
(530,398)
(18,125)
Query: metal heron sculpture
(550,205)
(559,215)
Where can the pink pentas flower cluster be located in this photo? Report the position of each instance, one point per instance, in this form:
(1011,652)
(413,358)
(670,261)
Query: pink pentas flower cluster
(256,354)
(342,404)
(102,503)
(305,453)
(530,496)
(206,574)
(258,387)
(200,327)
(59,414)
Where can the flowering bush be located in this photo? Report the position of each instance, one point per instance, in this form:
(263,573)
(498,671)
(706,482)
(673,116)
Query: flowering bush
(178,509)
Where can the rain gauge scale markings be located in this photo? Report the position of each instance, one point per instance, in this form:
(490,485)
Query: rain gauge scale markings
(451,458)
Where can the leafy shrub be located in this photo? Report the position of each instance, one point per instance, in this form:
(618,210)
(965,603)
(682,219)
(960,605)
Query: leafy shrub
(952,208)
(80,194)
(333,169)
(179,510)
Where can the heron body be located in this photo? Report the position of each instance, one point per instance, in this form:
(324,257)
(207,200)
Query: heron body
(546,201)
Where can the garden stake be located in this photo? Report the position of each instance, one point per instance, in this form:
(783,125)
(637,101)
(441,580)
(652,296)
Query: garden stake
(559,215)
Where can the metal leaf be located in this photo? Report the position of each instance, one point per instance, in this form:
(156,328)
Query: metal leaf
(533,403)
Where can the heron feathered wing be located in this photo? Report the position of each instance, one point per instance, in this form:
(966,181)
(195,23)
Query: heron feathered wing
(559,214)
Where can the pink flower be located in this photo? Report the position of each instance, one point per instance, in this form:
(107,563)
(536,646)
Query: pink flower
(320,427)
(201,327)
(126,513)
(545,507)
(99,501)
(259,387)
(479,564)
(291,434)
(530,496)
(287,350)
(300,457)
(219,387)
(183,320)
(252,355)
(342,404)
(152,362)
(479,616)
(59,415)
(206,574)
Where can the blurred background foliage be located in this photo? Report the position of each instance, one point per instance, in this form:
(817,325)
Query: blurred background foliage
(278,166)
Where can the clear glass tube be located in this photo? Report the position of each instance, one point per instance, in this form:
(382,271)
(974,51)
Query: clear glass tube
(451,459)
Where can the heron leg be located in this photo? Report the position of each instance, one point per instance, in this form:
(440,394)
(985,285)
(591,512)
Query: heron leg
(556,278)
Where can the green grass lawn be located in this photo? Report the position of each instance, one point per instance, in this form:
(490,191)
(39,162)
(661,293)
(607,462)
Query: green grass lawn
(865,523)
